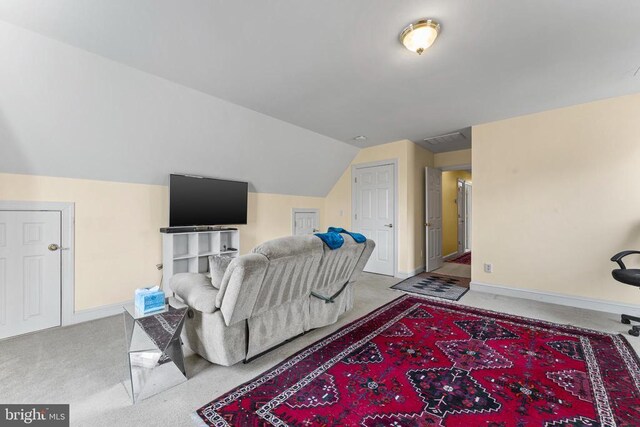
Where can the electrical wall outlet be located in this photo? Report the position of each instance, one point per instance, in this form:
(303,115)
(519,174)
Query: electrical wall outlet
(488,267)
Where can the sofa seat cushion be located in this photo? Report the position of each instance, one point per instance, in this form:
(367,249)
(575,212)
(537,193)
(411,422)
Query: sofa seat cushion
(196,290)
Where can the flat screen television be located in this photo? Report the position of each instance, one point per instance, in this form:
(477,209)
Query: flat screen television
(197,201)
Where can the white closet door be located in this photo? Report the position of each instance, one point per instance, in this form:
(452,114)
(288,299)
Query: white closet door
(305,222)
(374,214)
(29,271)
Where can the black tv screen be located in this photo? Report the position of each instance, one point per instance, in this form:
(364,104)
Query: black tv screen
(206,201)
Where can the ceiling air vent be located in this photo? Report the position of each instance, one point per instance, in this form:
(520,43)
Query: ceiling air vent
(448,137)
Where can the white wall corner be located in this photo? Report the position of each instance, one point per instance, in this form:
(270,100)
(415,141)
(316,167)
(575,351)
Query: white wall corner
(557,298)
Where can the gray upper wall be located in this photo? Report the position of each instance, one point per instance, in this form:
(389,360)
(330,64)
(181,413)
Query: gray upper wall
(67,112)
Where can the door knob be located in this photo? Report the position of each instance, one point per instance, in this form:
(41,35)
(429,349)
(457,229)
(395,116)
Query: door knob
(428,224)
(54,247)
(389,225)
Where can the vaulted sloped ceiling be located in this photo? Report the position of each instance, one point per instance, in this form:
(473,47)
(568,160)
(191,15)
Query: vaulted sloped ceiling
(66,112)
(336,68)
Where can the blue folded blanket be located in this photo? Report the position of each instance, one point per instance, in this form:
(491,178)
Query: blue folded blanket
(359,238)
(333,240)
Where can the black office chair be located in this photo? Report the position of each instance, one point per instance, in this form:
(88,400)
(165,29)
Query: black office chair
(629,276)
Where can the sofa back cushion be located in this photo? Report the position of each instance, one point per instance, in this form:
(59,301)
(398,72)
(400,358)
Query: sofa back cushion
(289,246)
(291,272)
(284,271)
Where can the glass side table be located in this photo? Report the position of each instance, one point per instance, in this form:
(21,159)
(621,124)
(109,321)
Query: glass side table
(154,351)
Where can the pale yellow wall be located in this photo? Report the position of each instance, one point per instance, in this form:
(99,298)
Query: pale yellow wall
(270,216)
(338,201)
(555,195)
(412,160)
(452,158)
(117,238)
(450,209)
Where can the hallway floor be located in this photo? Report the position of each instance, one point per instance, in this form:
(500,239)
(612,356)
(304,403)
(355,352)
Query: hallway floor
(454,269)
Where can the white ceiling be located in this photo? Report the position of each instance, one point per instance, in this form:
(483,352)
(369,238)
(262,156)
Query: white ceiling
(336,67)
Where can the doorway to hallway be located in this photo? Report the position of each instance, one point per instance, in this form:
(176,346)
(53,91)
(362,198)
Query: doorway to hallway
(457,217)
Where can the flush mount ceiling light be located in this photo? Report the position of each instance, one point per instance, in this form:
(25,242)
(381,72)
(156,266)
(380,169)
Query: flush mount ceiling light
(360,138)
(420,35)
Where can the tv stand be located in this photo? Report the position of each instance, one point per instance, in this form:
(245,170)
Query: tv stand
(188,229)
(195,229)
(187,249)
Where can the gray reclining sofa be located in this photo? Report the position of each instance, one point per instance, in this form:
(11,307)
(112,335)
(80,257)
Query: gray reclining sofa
(283,288)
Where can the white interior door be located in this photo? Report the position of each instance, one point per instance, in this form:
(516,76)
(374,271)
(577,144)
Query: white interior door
(460,201)
(305,222)
(30,282)
(374,214)
(467,216)
(433,200)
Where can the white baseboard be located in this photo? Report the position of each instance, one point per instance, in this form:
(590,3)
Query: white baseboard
(450,256)
(557,298)
(88,314)
(406,275)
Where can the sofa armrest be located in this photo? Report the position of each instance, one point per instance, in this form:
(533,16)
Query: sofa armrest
(369,246)
(195,290)
(240,287)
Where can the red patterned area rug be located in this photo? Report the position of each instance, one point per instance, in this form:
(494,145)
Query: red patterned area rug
(423,362)
(463,259)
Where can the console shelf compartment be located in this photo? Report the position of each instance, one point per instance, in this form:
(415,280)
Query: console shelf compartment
(188,252)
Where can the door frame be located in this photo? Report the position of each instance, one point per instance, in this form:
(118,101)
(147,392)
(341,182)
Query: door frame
(461,201)
(462,167)
(67,256)
(468,214)
(394,163)
(294,211)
